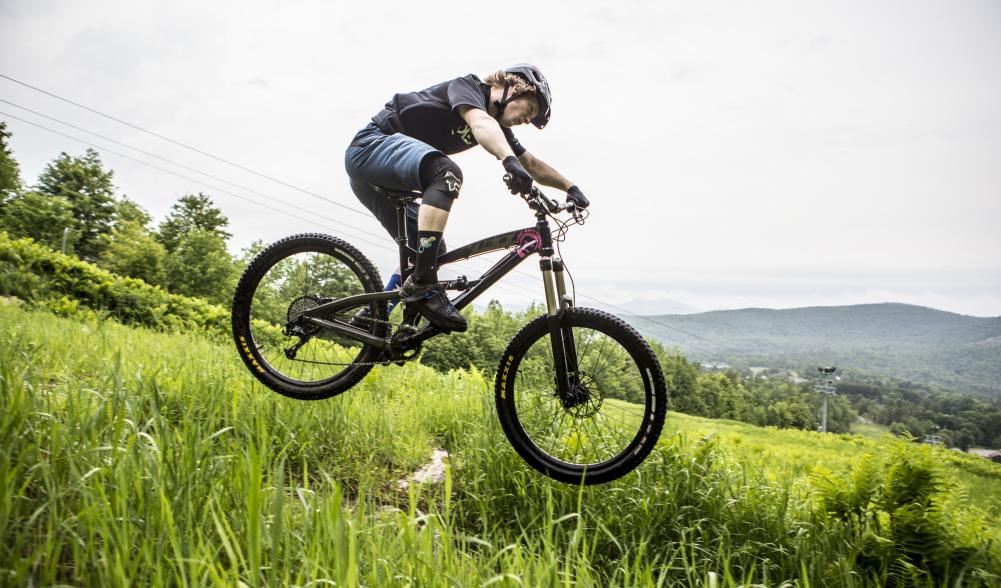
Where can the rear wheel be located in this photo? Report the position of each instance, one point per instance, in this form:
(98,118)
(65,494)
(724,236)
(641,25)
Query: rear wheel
(609,420)
(294,358)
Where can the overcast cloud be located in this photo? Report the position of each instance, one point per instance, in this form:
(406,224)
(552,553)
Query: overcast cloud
(737,154)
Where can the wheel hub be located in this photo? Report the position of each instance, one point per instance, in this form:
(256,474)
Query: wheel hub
(580,400)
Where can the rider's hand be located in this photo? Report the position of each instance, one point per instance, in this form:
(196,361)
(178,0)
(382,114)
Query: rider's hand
(577,197)
(519,182)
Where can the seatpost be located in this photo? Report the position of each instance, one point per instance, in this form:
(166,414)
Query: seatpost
(401,236)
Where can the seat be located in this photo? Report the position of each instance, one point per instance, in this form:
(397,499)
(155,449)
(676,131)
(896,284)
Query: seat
(404,195)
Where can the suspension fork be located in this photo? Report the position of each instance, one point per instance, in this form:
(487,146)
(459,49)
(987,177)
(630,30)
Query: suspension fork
(560,336)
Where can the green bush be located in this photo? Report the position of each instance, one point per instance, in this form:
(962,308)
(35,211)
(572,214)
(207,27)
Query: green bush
(912,526)
(66,285)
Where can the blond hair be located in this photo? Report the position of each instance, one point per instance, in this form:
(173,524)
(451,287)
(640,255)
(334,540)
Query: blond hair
(517,83)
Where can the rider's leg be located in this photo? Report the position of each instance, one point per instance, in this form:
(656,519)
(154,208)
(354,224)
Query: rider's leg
(442,180)
(431,223)
(385,212)
(398,162)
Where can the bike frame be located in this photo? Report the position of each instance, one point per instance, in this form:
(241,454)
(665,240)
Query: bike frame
(520,244)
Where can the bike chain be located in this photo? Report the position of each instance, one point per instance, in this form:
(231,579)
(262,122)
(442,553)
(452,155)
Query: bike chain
(400,361)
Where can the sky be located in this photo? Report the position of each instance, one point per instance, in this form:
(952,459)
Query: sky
(767,154)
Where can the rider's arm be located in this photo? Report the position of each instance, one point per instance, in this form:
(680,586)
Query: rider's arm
(543,173)
(487,131)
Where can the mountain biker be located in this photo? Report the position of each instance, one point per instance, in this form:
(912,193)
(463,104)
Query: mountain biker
(406,147)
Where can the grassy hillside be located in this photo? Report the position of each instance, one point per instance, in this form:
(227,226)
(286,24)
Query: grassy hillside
(134,457)
(918,344)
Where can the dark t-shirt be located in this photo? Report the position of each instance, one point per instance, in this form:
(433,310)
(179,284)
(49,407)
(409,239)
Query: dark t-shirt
(431,115)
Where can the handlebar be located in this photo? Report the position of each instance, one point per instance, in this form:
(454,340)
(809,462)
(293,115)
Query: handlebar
(538,201)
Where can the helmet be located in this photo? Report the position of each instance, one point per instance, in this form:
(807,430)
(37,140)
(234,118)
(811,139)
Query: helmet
(534,77)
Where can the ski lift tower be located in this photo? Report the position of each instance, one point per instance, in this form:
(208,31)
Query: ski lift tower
(933,438)
(825,384)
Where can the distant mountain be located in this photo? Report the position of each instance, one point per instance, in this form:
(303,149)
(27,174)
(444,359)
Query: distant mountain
(646,306)
(913,343)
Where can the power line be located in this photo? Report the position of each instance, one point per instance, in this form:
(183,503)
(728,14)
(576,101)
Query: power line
(180,144)
(155,156)
(197,181)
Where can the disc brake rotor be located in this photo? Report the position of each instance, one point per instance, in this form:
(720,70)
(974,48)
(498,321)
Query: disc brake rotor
(582,400)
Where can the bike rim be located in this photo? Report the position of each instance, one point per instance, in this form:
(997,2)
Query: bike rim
(297,282)
(605,416)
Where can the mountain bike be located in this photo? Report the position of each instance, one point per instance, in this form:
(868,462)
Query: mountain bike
(580,394)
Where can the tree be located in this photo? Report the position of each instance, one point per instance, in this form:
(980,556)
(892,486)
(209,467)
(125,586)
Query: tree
(10,172)
(131,249)
(128,210)
(87,186)
(195,240)
(482,344)
(200,266)
(682,380)
(41,217)
(188,213)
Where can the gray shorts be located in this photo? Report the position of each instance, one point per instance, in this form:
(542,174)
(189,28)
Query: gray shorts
(387,161)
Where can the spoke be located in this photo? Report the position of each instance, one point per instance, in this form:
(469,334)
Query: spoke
(610,426)
(583,354)
(540,400)
(582,449)
(309,275)
(557,437)
(600,355)
(608,417)
(610,453)
(613,429)
(312,369)
(543,431)
(557,410)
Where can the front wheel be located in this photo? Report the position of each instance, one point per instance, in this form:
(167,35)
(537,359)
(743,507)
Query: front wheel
(607,421)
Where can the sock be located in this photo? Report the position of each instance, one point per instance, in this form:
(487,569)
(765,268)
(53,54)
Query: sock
(392,284)
(426,264)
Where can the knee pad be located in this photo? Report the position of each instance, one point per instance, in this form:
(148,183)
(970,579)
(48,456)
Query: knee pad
(442,180)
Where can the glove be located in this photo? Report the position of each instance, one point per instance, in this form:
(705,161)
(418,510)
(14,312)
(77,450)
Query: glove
(519,182)
(577,197)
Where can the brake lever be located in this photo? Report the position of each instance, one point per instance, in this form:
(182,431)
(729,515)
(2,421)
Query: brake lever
(578,214)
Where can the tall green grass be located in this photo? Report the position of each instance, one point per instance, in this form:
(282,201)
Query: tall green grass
(129,457)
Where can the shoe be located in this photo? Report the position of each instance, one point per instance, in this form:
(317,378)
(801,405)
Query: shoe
(431,301)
